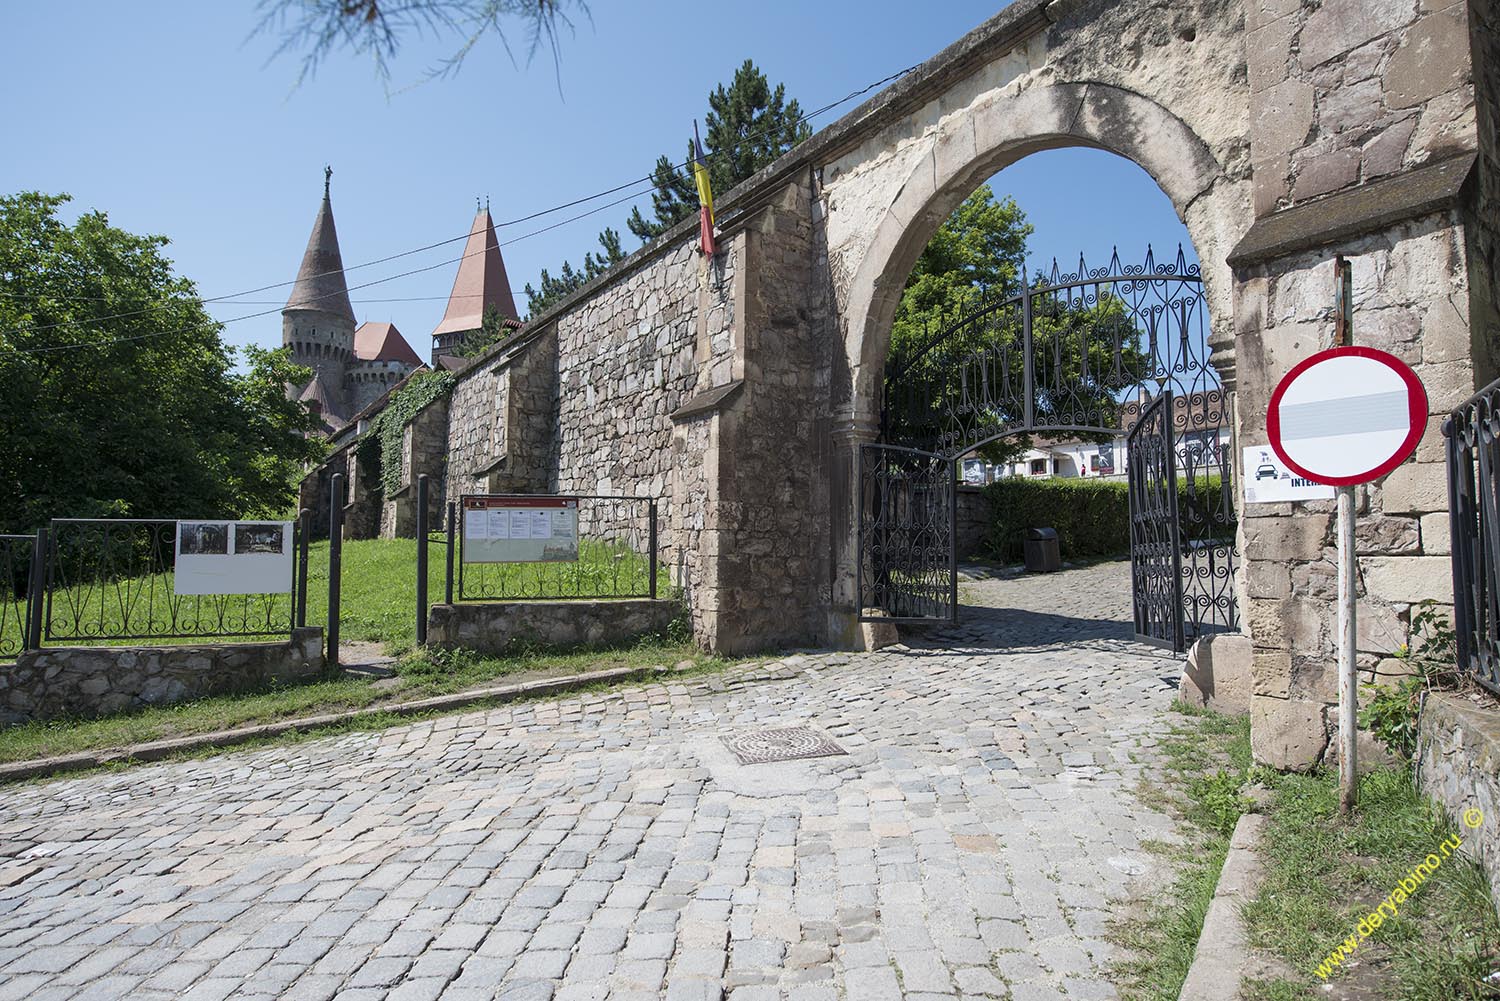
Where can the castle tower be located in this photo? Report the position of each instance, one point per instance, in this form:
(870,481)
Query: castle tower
(318,320)
(481,282)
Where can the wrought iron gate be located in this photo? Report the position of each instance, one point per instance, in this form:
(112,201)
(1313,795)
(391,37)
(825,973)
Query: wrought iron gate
(1093,354)
(906,553)
(1155,534)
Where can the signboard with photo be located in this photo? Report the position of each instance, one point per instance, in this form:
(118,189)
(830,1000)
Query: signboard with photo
(1105,460)
(520,529)
(233,557)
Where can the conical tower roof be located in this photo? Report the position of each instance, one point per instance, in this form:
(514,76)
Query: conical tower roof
(481,281)
(320,281)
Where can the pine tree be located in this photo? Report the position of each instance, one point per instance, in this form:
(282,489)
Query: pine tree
(568,280)
(747,127)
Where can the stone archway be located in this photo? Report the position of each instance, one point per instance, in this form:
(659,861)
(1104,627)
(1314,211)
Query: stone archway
(901,212)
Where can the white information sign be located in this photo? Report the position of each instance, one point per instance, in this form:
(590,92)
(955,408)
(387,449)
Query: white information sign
(1267,479)
(520,529)
(233,557)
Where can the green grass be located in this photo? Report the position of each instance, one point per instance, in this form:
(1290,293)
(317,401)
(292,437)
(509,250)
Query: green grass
(1323,874)
(1207,763)
(378,597)
(419,675)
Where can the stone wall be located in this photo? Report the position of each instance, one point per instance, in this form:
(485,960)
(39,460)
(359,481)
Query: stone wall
(1353,90)
(1361,113)
(424,451)
(499,627)
(60,682)
(1459,760)
(500,428)
(1408,300)
(1482,213)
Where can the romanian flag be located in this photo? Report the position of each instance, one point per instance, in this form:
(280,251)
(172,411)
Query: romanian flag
(705,195)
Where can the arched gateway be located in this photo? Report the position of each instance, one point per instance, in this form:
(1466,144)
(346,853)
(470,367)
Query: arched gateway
(740,391)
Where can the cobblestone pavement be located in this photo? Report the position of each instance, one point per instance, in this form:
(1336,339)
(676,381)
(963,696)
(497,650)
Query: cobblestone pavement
(972,842)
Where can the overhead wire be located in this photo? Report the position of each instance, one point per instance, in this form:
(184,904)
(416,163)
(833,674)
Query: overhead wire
(228,298)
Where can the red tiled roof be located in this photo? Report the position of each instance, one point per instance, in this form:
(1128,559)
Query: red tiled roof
(383,342)
(480,282)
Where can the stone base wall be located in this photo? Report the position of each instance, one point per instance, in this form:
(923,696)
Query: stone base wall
(500,627)
(58,682)
(1460,768)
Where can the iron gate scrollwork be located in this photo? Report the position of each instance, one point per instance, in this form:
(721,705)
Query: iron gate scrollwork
(1155,534)
(1090,355)
(906,552)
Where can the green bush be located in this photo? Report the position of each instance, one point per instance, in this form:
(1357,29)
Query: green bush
(1092,517)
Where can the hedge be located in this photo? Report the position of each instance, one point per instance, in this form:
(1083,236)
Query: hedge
(1092,517)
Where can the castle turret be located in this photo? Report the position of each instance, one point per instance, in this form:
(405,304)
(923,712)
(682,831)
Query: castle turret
(318,321)
(480,283)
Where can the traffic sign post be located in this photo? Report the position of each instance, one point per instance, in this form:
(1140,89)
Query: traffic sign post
(1346,416)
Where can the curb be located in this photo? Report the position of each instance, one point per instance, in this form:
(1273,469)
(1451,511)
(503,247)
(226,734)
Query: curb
(1223,954)
(156,750)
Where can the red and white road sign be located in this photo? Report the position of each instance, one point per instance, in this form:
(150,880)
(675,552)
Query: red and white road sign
(1347,415)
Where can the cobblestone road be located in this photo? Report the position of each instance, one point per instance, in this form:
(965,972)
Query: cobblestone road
(972,841)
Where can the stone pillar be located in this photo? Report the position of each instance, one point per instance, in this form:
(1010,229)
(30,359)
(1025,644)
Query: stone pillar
(850,431)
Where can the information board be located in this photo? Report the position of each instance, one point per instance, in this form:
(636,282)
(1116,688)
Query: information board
(520,529)
(1267,479)
(233,557)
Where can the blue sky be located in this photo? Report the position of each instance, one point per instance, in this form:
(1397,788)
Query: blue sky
(171,117)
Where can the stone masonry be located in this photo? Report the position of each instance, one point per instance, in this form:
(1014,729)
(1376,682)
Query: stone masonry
(57,682)
(737,391)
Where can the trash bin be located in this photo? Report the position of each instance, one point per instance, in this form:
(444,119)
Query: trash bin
(1042,553)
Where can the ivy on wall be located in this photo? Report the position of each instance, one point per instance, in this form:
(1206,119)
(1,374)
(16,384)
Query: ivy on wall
(379,448)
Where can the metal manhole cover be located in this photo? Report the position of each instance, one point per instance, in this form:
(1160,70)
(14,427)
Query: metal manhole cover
(785,743)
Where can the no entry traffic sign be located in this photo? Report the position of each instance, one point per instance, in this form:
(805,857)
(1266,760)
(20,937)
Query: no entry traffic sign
(1347,415)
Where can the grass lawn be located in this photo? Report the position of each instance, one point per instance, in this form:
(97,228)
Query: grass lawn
(1324,874)
(1207,762)
(418,675)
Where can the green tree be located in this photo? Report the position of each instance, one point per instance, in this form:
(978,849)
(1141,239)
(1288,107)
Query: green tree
(971,271)
(569,280)
(747,126)
(120,396)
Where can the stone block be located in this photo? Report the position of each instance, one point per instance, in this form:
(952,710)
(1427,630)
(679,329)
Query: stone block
(1266,621)
(1352,106)
(1437,533)
(1379,627)
(1315,679)
(1445,332)
(1448,384)
(1268,186)
(1299,537)
(1282,117)
(1322,174)
(1288,734)
(1341,25)
(1432,59)
(1409,579)
(1268,53)
(1270,672)
(1217,674)
(1415,488)
(1386,536)
(1386,153)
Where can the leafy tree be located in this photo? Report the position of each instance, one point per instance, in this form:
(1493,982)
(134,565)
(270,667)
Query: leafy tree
(492,331)
(972,270)
(568,280)
(747,126)
(120,397)
(376,28)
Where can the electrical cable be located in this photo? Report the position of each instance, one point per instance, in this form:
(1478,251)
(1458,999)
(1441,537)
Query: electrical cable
(650,178)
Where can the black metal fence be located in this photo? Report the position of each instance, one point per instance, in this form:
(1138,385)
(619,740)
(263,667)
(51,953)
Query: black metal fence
(1473,433)
(18,573)
(617,556)
(102,581)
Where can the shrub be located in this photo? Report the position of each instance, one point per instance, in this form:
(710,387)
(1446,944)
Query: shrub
(1092,517)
